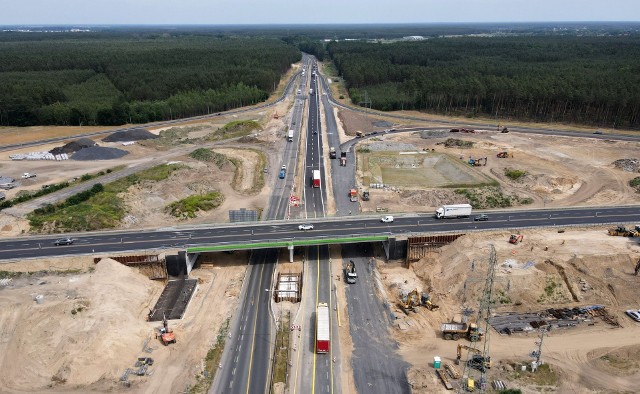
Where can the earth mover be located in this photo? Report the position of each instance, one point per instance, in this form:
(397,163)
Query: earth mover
(166,334)
(619,231)
(477,361)
(515,239)
(455,331)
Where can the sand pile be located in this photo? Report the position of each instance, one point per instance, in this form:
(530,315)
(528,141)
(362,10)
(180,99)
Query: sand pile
(73,146)
(99,153)
(130,135)
(89,327)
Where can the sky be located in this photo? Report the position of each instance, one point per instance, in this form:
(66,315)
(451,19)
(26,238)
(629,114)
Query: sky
(216,12)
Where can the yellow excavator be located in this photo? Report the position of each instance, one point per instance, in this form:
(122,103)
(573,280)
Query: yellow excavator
(477,361)
(414,299)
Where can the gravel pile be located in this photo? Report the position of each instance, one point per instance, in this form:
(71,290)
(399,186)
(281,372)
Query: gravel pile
(130,135)
(99,153)
(425,134)
(73,146)
(629,165)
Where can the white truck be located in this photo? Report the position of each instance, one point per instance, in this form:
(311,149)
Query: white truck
(453,211)
(290,136)
(28,175)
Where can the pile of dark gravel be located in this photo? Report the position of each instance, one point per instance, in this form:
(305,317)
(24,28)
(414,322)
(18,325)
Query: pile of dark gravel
(73,146)
(130,135)
(99,153)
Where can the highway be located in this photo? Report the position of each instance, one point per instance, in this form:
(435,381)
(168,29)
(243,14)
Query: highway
(246,362)
(86,243)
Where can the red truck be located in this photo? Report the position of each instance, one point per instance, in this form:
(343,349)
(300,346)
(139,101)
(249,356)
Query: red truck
(316,178)
(323,339)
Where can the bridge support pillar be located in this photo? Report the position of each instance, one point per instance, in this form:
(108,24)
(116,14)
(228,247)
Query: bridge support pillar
(395,249)
(290,247)
(189,260)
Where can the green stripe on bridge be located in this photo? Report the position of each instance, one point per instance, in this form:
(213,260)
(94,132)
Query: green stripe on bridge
(284,244)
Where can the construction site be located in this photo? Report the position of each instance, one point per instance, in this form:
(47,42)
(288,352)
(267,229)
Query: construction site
(125,323)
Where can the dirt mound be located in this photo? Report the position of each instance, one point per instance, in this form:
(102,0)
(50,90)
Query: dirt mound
(130,135)
(99,153)
(81,333)
(73,146)
(628,165)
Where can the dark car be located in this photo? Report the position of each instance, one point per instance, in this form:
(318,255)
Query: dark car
(64,241)
(481,218)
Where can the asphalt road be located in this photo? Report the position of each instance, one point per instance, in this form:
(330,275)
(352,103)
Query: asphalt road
(377,368)
(37,246)
(246,362)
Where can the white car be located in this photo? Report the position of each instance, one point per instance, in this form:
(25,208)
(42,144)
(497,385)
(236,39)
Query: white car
(305,227)
(284,167)
(387,219)
(635,315)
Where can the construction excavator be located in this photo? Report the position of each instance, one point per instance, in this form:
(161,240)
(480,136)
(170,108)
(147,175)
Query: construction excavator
(414,299)
(477,361)
(482,161)
(166,334)
(516,238)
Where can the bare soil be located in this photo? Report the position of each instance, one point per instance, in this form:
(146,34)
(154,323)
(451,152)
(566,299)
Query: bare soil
(588,358)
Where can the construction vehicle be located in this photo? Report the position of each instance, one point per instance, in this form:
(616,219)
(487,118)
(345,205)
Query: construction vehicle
(425,300)
(505,130)
(482,161)
(332,153)
(456,331)
(477,360)
(166,334)
(359,134)
(504,155)
(343,159)
(453,211)
(365,195)
(353,195)
(350,271)
(323,333)
(410,301)
(619,231)
(516,238)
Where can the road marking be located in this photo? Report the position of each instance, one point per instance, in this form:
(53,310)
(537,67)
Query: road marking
(255,325)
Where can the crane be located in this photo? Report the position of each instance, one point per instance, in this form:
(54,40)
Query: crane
(478,360)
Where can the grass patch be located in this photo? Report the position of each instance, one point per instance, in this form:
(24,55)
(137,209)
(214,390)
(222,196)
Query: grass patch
(544,376)
(621,363)
(364,149)
(234,129)
(280,367)
(189,207)
(258,181)
(237,175)
(100,209)
(514,174)
(24,195)
(491,197)
(552,292)
(503,297)
(207,155)
(9,274)
(214,355)
(635,183)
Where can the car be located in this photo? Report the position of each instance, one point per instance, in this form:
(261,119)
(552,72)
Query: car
(387,219)
(635,315)
(305,227)
(315,132)
(481,218)
(265,170)
(284,167)
(64,241)
(598,132)
(28,175)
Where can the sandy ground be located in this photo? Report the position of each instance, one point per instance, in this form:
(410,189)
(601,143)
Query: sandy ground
(49,347)
(455,275)
(560,171)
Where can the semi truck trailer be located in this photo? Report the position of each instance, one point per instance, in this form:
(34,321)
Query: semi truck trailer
(316,178)
(323,337)
(453,211)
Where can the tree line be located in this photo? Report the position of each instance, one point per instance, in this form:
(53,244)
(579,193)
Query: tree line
(112,80)
(588,80)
